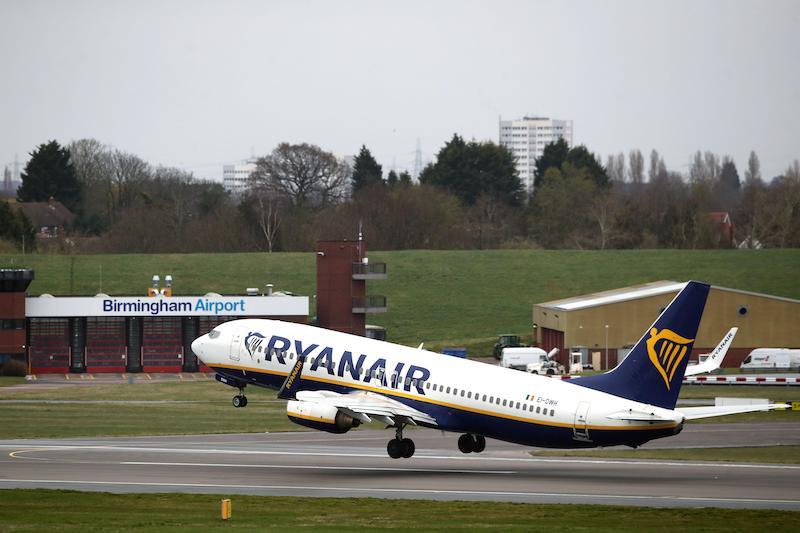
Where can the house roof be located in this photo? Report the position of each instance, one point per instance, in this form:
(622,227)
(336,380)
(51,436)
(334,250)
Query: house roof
(635,292)
(52,213)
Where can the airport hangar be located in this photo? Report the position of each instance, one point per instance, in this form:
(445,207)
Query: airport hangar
(102,333)
(604,326)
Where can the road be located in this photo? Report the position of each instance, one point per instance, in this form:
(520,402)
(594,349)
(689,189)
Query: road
(355,465)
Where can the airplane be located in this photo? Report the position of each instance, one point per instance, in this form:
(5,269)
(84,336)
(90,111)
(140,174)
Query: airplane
(335,381)
(715,358)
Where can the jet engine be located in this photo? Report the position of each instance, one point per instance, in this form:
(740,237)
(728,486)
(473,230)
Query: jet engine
(320,416)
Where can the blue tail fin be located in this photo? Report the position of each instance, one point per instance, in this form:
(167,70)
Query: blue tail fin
(653,371)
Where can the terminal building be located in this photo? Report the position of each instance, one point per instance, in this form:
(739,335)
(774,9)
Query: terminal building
(604,326)
(103,333)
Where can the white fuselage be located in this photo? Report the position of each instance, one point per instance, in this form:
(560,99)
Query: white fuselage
(461,395)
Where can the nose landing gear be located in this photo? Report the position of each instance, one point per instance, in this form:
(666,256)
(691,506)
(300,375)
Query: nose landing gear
(469,443)
(240,400)
(399,447)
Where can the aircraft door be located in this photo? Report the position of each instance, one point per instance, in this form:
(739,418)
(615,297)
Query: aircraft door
(579,428)
(236,344)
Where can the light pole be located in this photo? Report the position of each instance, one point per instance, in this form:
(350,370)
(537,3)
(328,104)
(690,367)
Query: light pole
(605,354)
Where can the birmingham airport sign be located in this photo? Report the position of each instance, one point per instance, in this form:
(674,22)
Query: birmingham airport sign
(167,306)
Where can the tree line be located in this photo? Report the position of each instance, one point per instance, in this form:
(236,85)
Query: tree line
(469,197)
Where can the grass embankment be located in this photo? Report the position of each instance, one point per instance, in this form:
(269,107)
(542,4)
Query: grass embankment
(754,454)
(81,511)
(210,409)
(444,298)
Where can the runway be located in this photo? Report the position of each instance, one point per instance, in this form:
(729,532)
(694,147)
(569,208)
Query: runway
(355,465)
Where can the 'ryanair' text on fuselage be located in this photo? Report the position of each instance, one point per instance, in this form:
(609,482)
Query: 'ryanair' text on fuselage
(341,362)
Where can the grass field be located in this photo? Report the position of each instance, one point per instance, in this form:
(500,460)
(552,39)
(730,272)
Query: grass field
(204,407)
(463,298)
(21,510)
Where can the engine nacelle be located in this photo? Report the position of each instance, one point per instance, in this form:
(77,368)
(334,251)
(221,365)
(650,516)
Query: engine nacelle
(319,416)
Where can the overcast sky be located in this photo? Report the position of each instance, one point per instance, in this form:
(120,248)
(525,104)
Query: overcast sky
(197,84)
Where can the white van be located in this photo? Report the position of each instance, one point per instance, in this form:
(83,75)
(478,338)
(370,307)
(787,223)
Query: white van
(530,359)
(771,359)
(519,358)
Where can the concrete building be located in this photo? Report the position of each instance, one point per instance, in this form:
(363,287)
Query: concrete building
(526,138)
(234,177)
(603,326)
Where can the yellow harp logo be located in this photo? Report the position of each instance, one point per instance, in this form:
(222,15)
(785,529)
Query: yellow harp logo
(667,349)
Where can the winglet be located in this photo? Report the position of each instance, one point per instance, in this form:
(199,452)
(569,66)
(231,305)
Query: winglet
(292,383)
(715,357)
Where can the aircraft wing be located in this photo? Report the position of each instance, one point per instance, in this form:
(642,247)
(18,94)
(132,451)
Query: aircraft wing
(368,405)
(694,413)
(715,357)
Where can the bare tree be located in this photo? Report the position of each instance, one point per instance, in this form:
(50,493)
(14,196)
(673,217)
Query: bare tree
(304,173)
(704,168)
(93,164)
(636,166)
(657,169)
(615,167)
(753,172)
(129,171)
(266,206)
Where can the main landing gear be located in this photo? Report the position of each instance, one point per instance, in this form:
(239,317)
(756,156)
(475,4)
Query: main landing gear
(399,447)
(240,400)
(469,443)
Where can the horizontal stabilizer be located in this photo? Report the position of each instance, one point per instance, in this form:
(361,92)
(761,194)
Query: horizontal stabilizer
(694,413)
(634,415)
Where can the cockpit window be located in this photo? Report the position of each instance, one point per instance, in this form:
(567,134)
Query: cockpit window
(213,334)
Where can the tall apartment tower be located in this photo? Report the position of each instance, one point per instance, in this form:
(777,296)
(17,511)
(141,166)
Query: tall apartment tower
(234,177)
(526,138)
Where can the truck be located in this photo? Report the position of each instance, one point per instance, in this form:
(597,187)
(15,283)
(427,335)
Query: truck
(533,360)
(772,359)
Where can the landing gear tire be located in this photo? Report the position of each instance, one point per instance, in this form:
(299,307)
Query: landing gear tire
(395,448)
(408,447)
(398,448)
(466,444)
(240,400)
(480,443)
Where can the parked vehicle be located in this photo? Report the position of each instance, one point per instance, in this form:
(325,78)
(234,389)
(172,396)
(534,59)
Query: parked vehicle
(533,360)
(771,359)
(505,341)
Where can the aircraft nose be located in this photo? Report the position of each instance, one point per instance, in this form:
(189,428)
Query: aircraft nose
(199,347)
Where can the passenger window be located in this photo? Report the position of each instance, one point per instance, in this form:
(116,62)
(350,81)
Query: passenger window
(517,405)
(484,397)
(552,412)
(491,399)
(455,392)
(497,401)
(537,409)
(504,403)
(462,393)
(469,394)
(441,388)
(448,390)
(427,386)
